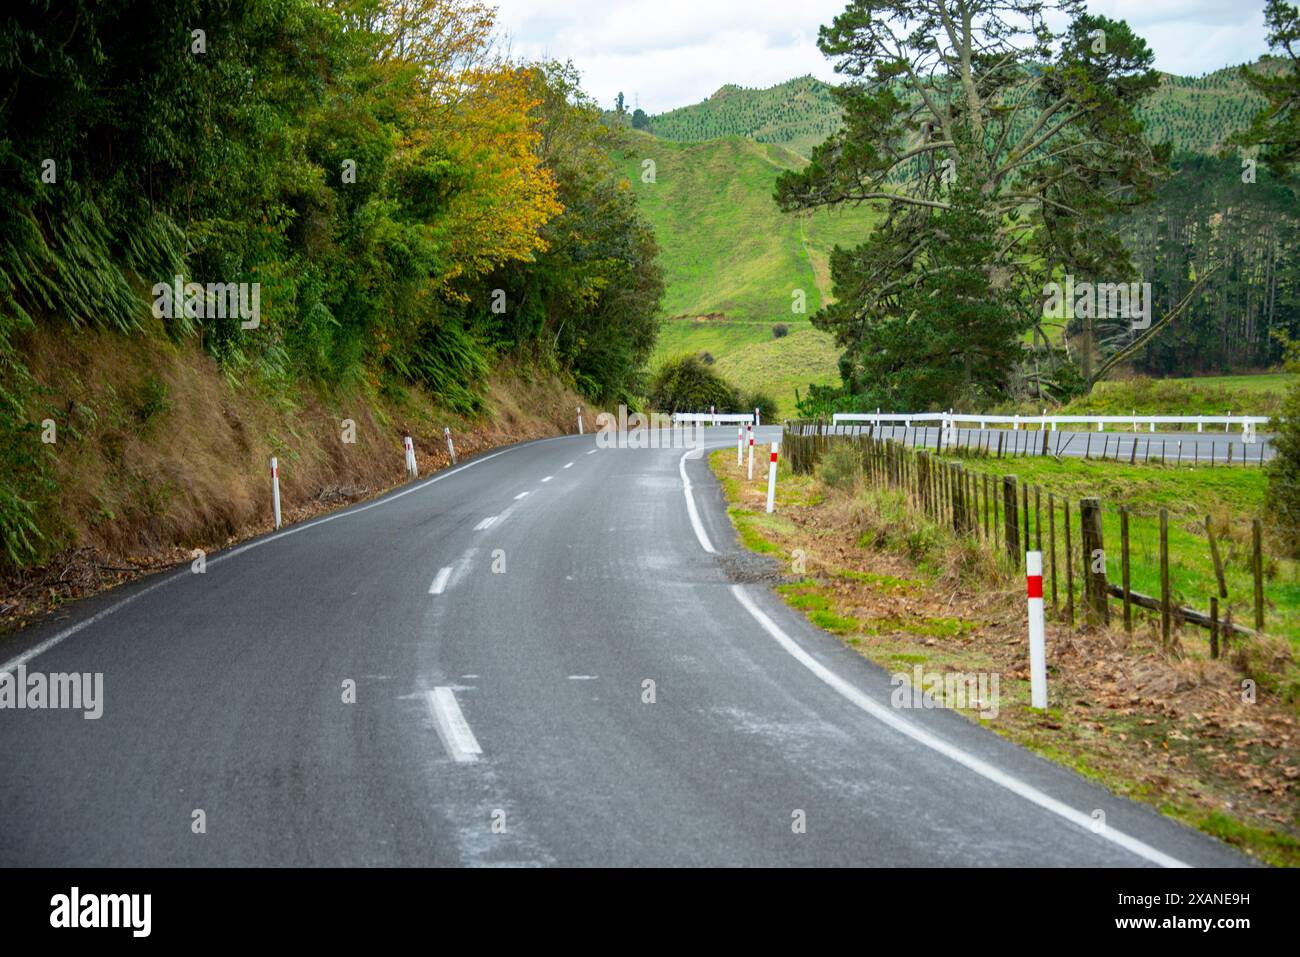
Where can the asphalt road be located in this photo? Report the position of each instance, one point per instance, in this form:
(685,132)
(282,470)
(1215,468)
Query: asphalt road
(502,714)
(1188,448)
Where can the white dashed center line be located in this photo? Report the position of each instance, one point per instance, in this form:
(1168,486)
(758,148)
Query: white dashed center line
(548,478)
(569,466)
(440,581)
(453,730)
(486,523)
(520,495)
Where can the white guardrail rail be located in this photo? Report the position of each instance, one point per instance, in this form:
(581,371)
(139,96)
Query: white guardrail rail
(721,418)
(950,420)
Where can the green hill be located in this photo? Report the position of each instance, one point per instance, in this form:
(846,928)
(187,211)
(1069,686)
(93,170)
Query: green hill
(1195,114)
(797,114)
(733,262)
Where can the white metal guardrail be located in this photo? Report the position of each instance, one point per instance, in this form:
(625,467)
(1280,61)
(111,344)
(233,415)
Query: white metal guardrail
(721,418)
(949,420)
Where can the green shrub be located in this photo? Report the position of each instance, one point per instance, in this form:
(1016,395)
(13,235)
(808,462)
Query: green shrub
(841,467)
(780,330)
(686,384)
(766,405)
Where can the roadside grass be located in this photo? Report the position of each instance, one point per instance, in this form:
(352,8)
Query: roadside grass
(1240,395)
(1258,394)
(1170,731)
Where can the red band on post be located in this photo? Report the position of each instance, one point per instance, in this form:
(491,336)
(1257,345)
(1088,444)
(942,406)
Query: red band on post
(1035,586)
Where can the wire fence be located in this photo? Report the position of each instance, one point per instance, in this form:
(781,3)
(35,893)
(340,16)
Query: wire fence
(1085,581)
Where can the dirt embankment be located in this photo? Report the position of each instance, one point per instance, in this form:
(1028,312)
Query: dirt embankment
(156,453)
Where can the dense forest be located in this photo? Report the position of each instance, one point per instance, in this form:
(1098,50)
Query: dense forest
(412,205)
(1205,213)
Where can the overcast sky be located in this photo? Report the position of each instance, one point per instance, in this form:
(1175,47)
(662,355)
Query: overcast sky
(670,53)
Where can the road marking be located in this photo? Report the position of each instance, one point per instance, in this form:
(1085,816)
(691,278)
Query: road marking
(690,507)
(582,677)
(486,523)
(921,736)
(453,730)
(593,451)
(548,478)
(569,466)
(520,495)
(440,581)
(44,646)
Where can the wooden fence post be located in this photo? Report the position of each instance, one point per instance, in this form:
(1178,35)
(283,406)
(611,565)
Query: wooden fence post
(1214,627)
(1069,568)
(1124,563)
(1257,566)
(1051,545)
(1214,554)
(1165,611)
(1094,562)
(1009,510)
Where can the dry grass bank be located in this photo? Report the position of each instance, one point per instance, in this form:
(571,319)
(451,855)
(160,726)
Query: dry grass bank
(157,452)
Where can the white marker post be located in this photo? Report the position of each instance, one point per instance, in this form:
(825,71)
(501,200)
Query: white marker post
(275,489)
(740,445)
(451,449)
(410,456)
(1037,636)
(751,452)
(756,416)
(713,415)
(580,420)
(771,480)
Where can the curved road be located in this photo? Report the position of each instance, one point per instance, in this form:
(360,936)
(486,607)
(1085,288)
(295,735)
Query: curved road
(502,713)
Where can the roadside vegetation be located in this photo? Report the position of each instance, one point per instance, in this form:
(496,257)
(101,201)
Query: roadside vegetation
(688,384)
(1169,727)
(417,212)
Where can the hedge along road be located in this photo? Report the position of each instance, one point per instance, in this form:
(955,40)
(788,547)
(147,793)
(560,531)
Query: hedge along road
(549,667)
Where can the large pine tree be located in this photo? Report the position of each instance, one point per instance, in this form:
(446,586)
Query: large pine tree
(963,107)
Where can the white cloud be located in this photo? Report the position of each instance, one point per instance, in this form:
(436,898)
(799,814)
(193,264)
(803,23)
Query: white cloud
(670,53)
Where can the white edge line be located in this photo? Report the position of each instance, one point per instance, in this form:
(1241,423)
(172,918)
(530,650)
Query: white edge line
(55,639)
(453,730)
(921,736)
(440,581)
(690,507)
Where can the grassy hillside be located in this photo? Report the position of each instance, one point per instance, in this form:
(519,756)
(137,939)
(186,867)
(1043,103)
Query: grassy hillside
(726,250)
